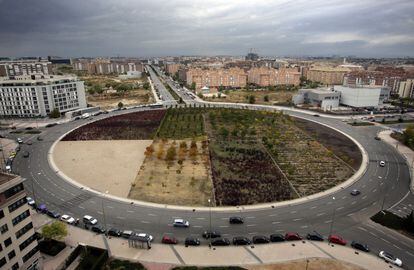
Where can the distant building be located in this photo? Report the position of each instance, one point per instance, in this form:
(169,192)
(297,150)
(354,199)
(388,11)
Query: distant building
(264,76)
(324,98)
(251,56)
(35,95)
(107,66)
(25,67)
(130,75)
(229,78)
(18,242)
(406,89)
(172,68)
(327,75)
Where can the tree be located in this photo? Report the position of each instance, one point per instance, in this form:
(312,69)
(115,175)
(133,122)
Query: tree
(146,85)
(149,150)
(408,136)
(193,86)
(96,88)
(57,231)
(252,99)
(266,98)
(221,88)
(55,113)
(120,105)
(171,153)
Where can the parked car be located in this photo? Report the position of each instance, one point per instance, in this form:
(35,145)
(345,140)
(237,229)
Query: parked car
(315,236)
(382,163)
(355,192)
(220,242)
(377,138)
(360,246)
(39,138)
(127,234)
(277,237)
(241,241)
(390,258)
(336,239)
(51,125)
(98,229)
(169,240)
(19,140)
(236,220)
(53,214)
(42,208)
(191,241)
(260,239)
(30,201)
(114,232)
(26,154)
(68,219)
(211,234)
(146,236)
(89,220)
(178,222)
(292,236)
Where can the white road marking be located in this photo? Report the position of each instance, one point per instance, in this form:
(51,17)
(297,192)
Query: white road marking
(320,214)
(328,221)
(81,207)
(293,212)
(385,240)
(251,225)
(272,215)
(354,202)
(374,190)
(130,211)
(201,218)
(304,227)
(363,209)
(110,207)
(146,222)
(396,246)
(250,217)
(364,197)
(152,215)
(224,226)
(120,217)
(339,208)
(363,229)
(276,222)
(197,226)
(409,253)
(297,219)
(313,207)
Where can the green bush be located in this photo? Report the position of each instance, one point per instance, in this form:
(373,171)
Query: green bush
(124,265)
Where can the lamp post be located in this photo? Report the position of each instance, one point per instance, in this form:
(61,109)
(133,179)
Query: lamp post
(332,222)
(103,211)
(209,206)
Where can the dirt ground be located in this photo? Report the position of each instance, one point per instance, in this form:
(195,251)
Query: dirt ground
(6,147)
(240,96)
(313,264)
(102,165)
(108,101)
(167,181)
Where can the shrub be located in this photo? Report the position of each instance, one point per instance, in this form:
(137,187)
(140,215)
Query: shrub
(171,153)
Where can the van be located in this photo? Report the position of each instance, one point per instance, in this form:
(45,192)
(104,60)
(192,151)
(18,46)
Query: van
(127,234)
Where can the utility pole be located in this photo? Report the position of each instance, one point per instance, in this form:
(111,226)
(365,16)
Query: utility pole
(333,219)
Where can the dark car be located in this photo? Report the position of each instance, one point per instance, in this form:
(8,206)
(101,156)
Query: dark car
(26,154)
(53,214)
(211,234)
(114,232)
(169,240)
(51,125)
(292,236)
(277,237)
(260,239)
(355,192)
(98,229)
(39,138)
(241,241)
(236,220)
(360,246)
(29,128)
(220,242)
(191,241)
(315,236)
(377,138)
(42,208)
(105,112)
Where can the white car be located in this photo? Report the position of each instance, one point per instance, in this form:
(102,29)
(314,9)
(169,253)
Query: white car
(390,258)
(382,163)
(181,223)
(146,235)
(89,220)
(30,201)
(68,219)
(19,140)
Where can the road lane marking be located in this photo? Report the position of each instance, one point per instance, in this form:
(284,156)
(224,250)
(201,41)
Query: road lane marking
(385,240)
(297,219)
(293,212)
(145,222)
(328,221)
(320,214)
(340,208)
(224,226)
(354,202)
(250,217)
(251,225)
(276,222)
(313,207)
(152,215)
(397,246)
(130,211)
(120,217)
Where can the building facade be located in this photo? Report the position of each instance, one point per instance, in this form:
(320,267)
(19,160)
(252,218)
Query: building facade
(107,66)
(363,96)
(327,75)
(32,96)
(18,244)
(326,99)
(231,77)
(406,89)
(25,67)
(266,76)
(172,68)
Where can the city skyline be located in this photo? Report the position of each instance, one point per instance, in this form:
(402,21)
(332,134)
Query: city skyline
(161,28)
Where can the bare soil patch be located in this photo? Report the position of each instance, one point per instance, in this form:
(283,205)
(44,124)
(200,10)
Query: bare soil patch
(242,96)
(313,264)
(110,101)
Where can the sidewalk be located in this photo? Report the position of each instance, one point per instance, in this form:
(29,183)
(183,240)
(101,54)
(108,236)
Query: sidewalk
(165,256)
(405,151)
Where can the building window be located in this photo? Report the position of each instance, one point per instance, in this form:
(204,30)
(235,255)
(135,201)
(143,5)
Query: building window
(4,229)
(24,230)
(20,217)
(27,242)
(14,190)
(15,266)
(12,254)
(1,214)
(30,254)
(3,261)
(7,242)
(17,204)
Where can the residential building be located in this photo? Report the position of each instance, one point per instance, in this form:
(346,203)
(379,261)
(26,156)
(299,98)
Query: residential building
(324,98)
(31,96)
(18,244)
(265,76)
(107,66)
(406,89)
(327,75)
(25,67)
(228,78)
(172,68)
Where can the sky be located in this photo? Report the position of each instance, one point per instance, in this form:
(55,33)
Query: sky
(76,28)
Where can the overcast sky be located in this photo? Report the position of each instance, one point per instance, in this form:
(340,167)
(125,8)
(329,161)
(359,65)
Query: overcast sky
(206,27)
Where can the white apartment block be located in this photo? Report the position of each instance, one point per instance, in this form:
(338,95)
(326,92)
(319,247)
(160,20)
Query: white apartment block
(25,67)
(18,244)
(32,96)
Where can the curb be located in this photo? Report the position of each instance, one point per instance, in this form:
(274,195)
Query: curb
(361,171)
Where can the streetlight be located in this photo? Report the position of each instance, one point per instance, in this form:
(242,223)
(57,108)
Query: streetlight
(332,222)
(209,206)
(103,211)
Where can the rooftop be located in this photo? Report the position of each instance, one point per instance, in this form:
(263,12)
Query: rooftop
(43,79)
(4,178)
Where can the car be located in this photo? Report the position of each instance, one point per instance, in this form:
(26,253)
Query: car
(178,222)
(19,140)
(26,154)
(53,214)
(315,236)
(260,239)
(30,201)
(98,229)
(39,138)
(292,236)
(390,258)
(89,220)
(169,240)
(191,241)
(220,242)
(316,115)
(51,125)
(241,241)
(127,234)
(29,142)
(147,236)
(355,192)
(42,208)
(114,232)
(382,163)
(360,246)
(377,138)
(236,220)
(336,239)
(277,237)
(105,112)
(29,128)
(211,234)
(68,219)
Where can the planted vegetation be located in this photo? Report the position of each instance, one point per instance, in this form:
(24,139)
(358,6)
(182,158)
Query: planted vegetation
(182,123)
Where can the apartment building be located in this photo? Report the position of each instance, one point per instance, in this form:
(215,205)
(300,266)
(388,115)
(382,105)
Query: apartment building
(18,244)
(406,89)
(25,67)
(231,78)
(31,96)
(327,75)
(266,76)
(107,66)
(172,68)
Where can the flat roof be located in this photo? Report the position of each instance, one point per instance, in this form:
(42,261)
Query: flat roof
(4,178)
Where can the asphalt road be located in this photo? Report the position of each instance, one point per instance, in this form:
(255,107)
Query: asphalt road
(381,187)
(166,96)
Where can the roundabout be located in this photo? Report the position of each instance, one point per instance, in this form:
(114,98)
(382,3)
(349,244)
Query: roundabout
(334,210)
